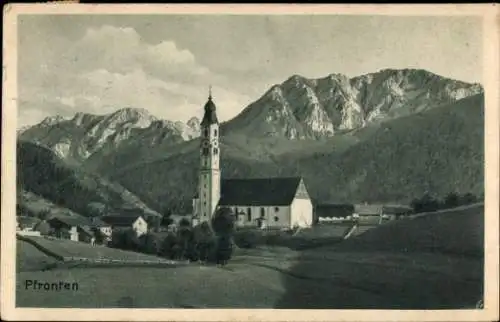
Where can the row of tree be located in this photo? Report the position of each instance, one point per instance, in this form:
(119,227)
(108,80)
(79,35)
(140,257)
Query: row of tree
(427,203)
(204,242)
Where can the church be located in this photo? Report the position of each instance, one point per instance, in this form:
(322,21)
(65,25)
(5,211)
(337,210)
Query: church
(279,202)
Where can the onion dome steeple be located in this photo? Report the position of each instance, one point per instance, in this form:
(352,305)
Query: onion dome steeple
(210,117)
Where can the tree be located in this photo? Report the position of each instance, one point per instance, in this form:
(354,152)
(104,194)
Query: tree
(184,223)
(96,209)
(100,237)
(203,240)
(150,243)
(223,222)
(166,220)
(184,239)
(167,246)
(44,214)
(223,226)
(44,228)
(452,200)
(468,199)
(125,239)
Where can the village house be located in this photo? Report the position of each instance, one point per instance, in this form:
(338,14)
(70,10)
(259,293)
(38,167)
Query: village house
(333,212)
(376,213)
(122,222)
(78,228)
(257,202)
(27,225)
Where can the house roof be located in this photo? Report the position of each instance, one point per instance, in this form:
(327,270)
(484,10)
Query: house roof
(72,220)
(259,191)
(334,210)
(26,221)
(120,220)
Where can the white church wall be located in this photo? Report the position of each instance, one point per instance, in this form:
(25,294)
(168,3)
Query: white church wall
(301,213)
(274,216)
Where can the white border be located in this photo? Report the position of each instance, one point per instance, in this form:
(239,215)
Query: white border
(489,13)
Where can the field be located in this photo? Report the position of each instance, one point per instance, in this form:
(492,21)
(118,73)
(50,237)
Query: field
(362,272)
(68,250)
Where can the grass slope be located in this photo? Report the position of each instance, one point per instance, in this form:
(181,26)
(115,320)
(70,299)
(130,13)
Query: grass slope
(68,249)
(29,258)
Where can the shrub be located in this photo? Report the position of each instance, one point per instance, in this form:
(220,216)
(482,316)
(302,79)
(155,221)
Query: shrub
(224,249)
(452,200)
(44,228)
(150,243)
(468,199)
(223,222)
(203,241)
(223,226)
(184,223)
(248,238)
(125,239)
(167,246)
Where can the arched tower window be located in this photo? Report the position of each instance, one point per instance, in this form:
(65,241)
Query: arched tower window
(249,214)
(206,133)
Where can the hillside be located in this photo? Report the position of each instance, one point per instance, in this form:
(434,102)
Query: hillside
(41,172)
(437,151)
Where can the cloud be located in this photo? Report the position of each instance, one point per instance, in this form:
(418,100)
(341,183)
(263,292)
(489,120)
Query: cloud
(112,67)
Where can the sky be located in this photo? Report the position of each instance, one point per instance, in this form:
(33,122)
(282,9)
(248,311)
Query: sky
(165,63)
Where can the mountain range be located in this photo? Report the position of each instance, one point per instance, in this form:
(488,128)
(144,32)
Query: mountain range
(386,136)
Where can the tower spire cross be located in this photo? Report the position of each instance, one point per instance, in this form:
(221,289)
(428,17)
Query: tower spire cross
(210,92)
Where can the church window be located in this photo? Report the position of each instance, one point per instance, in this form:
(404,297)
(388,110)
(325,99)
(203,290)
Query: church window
(262,212)
(205,151)
(249,214)
(276,209)
(276,218)
(216,150)
(215,132)
(206,132)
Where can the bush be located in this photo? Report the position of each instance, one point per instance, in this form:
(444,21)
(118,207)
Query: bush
(468,199)
(44,228)
(167,246)
(223,222)
(204,242)
(224,249)
(150,244)
(125,239)
(248,238)
(452,200)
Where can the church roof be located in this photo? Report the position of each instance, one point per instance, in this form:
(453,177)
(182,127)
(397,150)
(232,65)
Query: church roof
(210,117)
(259,192)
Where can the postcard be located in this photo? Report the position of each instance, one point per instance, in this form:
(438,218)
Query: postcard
(250,162)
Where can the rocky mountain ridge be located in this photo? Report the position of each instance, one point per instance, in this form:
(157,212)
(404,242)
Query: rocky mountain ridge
(299,108)
(84,135)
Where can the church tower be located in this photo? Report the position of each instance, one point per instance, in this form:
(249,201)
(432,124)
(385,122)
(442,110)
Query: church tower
(209,176)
